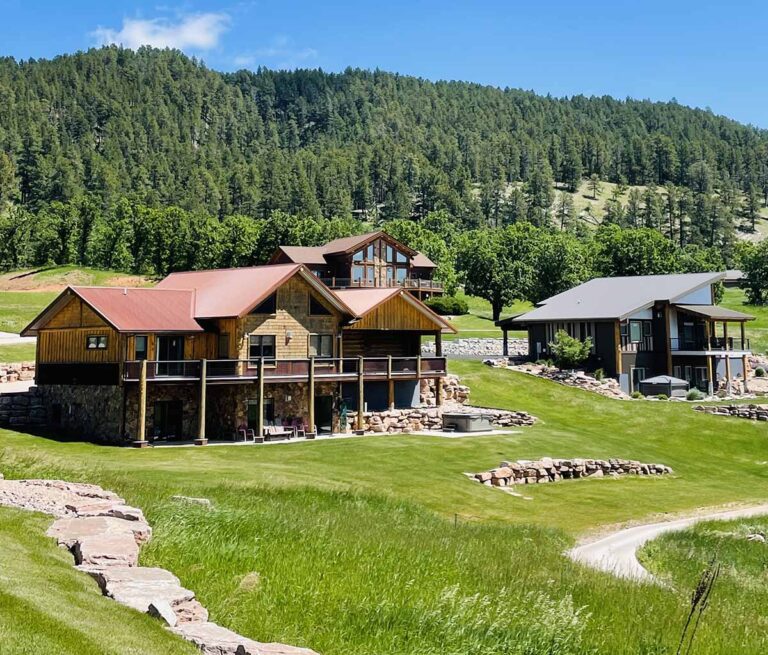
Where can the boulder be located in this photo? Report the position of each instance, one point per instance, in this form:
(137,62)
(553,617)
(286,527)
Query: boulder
(212,639)
(104,550)
(69,531)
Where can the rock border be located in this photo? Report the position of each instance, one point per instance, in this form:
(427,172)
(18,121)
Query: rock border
(104,536)
(751,411)
(547,469)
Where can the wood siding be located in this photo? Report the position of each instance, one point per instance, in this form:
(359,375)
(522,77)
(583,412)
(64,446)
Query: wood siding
(396,314)
(292,316)
(373,343)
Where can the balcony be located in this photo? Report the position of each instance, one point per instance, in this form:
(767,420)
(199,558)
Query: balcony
(715,343)
(290,370)
(408,283)
(644,345)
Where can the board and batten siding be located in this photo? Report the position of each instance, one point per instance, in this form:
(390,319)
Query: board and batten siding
(291,316)
(396,314)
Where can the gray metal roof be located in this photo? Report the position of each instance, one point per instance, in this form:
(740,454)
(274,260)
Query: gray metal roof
(716,313)
(610,298)
(663,379)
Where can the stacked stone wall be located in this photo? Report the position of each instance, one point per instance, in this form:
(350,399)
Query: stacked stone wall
(752,412)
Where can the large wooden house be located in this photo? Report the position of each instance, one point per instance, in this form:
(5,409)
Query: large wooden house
(225,352)
(644,326)
(373,260)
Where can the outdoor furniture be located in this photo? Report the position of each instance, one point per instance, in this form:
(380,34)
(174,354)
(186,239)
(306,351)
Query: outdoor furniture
(244,434)
(276,432)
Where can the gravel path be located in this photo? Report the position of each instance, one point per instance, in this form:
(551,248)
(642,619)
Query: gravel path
(617,552)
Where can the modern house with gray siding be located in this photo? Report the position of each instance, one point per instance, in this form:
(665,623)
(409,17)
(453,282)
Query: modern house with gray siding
(643,326)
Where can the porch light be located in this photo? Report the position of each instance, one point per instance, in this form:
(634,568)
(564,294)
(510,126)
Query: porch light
(287,398)
(288,335)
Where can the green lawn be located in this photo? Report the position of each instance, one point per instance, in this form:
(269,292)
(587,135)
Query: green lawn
(22,352)
(18,308)
(380,545)
(757,330)
(478,324)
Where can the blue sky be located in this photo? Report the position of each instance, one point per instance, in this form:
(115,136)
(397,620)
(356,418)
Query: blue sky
(703,53)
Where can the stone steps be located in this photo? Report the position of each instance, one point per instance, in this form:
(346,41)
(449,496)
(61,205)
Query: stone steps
(104,536)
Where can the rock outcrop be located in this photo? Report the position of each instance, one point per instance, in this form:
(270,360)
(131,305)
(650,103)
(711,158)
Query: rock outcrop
(104,535)
(470,348)
(17,371)
(749,411)
(548,469)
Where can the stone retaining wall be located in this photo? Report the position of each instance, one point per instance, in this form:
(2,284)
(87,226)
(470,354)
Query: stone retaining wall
(453,391)
(751,411)
(548,469)
(104,535)
(17,371)
(419,419)
(23,409)
(478,348)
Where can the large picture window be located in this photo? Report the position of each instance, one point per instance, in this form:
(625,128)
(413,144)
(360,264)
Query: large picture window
(261,346)
(140,347)
(316,308)
(267,306)
(321,345)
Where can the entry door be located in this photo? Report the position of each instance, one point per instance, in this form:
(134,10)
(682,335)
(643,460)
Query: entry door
(170,352)
(168,419)
(324,413)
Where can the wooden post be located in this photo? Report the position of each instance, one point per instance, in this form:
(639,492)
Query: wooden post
(390,384)
(201,439)
(311,389)
(743,337)
(141,435)
(727,358)
(710,376)
(744,368)
(505,342)
(617,337)
(725,335)
(708,335)
(360,393)
(668,345)
(260,417)
(418,367)
(438,391)
(439,344)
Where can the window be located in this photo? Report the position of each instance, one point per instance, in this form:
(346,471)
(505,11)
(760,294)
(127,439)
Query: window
(369,253)
(321,345)
(390,254)
(357,257)
(689,374)
(402,273)
(96,342)
(140,347)
(316,308)
(261,346)
(677,371)
(638,375)
(223,346)
(267,306)
(701,375)
(357,273)
(635,331)
(253,412)
(401,258)
(370,272)
(647,331)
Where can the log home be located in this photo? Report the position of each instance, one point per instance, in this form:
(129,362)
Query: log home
(643,326)
(373,260)
(229,353)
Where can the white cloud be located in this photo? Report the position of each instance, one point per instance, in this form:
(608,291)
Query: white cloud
(193,31)
(281,53)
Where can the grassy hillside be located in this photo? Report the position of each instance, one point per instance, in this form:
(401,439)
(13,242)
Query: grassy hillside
(381,545)
(757,330)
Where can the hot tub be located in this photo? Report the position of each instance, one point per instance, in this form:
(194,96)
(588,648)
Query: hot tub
(467,422)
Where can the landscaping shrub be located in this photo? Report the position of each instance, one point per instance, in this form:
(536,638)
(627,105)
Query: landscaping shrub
(636,395)
(759,372)
(662,396)
(694,394)
(569,352)
(448,305)
(599,374)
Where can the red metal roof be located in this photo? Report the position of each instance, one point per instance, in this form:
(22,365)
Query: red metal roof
(142,310)
(362,301)
(230,291)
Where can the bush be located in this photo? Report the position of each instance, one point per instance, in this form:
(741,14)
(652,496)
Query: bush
(448,305)
(636,395)
(694,394)
(662,396)
(569,352)
(759,372)
(599,374)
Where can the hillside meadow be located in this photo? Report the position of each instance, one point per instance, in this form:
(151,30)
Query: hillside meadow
(381,545)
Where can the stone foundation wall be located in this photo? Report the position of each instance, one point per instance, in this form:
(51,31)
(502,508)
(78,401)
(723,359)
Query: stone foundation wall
(478,348)
(17,371)
(547,469)
(89,411)
(752,412)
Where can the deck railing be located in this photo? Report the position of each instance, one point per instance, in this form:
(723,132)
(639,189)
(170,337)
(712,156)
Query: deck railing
(715,343)
(325,368)
(408,283)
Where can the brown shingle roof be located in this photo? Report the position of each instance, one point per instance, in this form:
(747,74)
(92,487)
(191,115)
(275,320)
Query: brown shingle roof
(316,254)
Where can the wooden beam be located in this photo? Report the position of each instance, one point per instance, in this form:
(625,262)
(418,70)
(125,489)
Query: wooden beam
(617,337)
(505,342)
(439,344)
(201,438)
(744,369)
(728,372)
(438,391)
(710,376)
(360,393)
(260,417)
(141,433)
(743,336)
(708,335)
(311,390)
(725,335)
(390,384)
